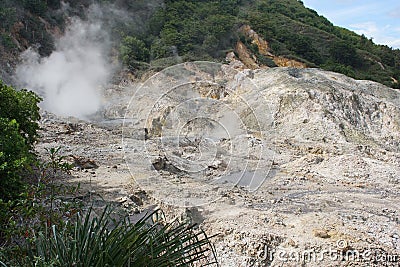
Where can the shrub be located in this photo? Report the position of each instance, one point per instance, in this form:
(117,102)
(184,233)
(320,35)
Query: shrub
(18,131)
(104,240)
(344,53)
(6,40)
(38,7)
(47,227)
(14,156)
(132,51)
(42,202)
(21,106)
(7,17)
(19,114)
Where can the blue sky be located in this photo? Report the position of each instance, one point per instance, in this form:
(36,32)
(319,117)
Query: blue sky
(379,20)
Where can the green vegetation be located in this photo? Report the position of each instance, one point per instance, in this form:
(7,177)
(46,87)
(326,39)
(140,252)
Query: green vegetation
(45,223)
(108,240)
(180,31)
(41,203)
(161,33)
(133,52)
(19,115)
(206,30)
(50,226)
(295,31)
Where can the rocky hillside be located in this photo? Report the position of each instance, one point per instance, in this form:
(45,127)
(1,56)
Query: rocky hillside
(289,166)
(156,34)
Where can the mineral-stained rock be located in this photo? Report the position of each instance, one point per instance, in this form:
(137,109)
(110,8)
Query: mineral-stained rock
(84,163)
(321,233)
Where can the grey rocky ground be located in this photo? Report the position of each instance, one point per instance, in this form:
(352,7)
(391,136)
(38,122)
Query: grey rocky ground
(308,176)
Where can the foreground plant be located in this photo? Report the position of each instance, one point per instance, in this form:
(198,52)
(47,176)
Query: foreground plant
(19,116)
(104,241)
(43,202)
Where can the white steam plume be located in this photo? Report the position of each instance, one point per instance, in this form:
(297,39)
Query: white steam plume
(70,79)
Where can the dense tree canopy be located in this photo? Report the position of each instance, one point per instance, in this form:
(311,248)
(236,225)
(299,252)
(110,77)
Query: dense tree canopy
(160,33)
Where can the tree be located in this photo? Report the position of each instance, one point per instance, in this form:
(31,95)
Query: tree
(7,17)
(133,50)
(344,53)
(19,114)
(21,106)
(54,4)
(14,155)
(37,7)
(159,50)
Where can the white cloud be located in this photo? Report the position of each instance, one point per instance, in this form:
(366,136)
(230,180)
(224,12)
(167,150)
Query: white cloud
(351,11)
(395,43)
(381,34)
(376,19)
(367,28)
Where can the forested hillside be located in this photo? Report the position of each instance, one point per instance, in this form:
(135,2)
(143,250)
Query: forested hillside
(161,33)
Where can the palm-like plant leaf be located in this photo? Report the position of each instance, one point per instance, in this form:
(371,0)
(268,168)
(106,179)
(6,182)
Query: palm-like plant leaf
(101,241)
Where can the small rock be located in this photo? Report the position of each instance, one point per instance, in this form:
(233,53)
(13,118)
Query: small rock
(321,233)
(292,243)
(122,200)
(136,200)
(84,163)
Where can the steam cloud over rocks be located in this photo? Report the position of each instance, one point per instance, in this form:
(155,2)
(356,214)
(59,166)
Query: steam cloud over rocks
(70,79)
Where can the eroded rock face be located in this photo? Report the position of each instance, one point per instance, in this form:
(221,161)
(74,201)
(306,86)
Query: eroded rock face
(322,148)
(250,60)
(337,158)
